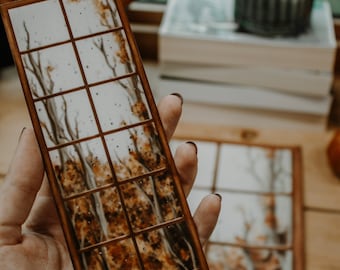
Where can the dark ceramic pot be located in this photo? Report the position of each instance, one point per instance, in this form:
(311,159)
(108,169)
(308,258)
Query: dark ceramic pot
(273,17)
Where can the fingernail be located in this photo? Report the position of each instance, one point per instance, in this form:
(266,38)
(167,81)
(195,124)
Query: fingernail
(179,96)
(193,144)
(22,132)
(218,195)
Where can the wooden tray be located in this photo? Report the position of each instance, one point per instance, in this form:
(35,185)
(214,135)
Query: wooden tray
(261,220)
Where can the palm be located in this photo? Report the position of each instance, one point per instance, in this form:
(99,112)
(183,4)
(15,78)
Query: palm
(37,251)
(30,232)
(42,244)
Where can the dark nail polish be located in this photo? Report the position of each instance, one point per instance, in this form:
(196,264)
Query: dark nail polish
(218,195)
(179,96)
(194,144)
(22,131)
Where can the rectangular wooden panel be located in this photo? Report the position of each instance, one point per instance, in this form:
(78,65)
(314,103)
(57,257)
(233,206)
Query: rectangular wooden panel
(106,154)
(261,220)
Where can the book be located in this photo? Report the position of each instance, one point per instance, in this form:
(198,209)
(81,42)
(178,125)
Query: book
(151,1)
(147,40)
(207,114)
(244,97)
(292,81)
(146,12)
(204,32)
(145,18)
(212,114)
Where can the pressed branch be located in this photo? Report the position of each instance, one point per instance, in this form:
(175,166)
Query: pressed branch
(34,88)
(72,134)
(61,131)
(107,12)
(100,46)
(251,169)
(28,37)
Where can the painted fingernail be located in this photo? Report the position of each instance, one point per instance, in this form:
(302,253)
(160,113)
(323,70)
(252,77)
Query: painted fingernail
(179,96)
(22,132)
(193,144)
(218,195)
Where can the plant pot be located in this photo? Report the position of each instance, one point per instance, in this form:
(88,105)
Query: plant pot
(273,17)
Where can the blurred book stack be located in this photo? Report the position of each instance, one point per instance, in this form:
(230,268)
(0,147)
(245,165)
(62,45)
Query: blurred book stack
(204,57)
(145,17)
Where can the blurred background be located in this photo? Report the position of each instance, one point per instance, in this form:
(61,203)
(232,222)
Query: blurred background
(243,80)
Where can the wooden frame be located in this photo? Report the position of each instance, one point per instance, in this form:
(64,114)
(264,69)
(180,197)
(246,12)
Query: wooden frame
(106,155)
(261,224)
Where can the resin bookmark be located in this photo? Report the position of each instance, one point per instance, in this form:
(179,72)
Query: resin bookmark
(106,155)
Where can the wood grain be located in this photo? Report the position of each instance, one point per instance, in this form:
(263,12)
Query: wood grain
(322,240)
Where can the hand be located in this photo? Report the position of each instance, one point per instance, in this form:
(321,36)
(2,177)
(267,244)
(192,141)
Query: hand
(31,236)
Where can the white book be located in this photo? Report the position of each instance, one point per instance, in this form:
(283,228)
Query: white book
(245,97)
(203,32)
(299,82)
(147,6)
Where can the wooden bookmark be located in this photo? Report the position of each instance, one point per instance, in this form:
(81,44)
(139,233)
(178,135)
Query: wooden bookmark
(110,169)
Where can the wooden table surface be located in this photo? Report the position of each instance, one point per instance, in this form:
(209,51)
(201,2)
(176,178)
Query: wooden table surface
(321,187)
